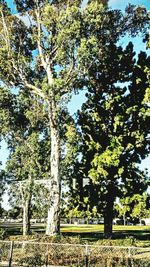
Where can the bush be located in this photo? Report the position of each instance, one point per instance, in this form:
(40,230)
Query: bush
(3,234)
(32,261)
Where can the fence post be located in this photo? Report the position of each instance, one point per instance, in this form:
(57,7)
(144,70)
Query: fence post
(46,261)
(129,257)
(86,256)
(129,252)
(11,253)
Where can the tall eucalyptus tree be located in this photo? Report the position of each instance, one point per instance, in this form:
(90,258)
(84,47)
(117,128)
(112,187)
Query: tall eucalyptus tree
(41,58)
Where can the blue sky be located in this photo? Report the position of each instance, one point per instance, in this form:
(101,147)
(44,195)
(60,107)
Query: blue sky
(117,4)
(77,100)
(121,4)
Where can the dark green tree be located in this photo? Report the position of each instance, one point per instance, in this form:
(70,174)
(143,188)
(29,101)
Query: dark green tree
(115,128)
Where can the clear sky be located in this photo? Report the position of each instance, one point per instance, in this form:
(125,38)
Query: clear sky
(117,4)
(77,100)
(121,4)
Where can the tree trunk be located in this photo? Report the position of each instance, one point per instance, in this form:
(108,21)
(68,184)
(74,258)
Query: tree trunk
(53,220)
(124,219)
(108,218)
(26,216)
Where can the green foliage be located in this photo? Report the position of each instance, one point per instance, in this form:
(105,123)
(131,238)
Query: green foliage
(14,213)
(139,206)
(134,206)
(114,124)
(113,120)
(3,233)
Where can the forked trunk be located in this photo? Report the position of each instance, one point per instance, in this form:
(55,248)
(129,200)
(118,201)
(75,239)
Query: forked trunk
(108,219)
(26,216)
(53,220)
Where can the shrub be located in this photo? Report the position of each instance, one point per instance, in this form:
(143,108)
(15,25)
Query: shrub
(3,233)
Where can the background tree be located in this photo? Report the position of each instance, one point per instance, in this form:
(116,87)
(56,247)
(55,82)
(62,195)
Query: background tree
(2,189)
(123,208)
(25,169)
(23,128)
(135,207)
(139,206)
(14,213)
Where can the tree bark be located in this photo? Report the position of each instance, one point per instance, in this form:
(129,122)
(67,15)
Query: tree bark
(26,195)
(124,219)
(26,216)
(108,218)
(53,220)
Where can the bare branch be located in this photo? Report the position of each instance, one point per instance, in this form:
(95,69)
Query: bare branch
(44,59)
(6,32)
(35,89)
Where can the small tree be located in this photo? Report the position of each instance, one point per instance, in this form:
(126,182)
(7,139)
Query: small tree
(139,206)
(23,123)
(134,206)
(124,208)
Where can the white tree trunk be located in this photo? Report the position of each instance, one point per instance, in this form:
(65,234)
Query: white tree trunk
(26,216)
(124,219)
(53,220)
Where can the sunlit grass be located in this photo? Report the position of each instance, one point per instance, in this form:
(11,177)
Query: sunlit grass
(100,228)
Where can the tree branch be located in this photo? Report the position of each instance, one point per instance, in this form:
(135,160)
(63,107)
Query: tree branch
(6,33)
(35,89)
(44,60)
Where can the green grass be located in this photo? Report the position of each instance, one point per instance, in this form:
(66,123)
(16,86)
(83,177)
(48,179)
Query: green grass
(122,235)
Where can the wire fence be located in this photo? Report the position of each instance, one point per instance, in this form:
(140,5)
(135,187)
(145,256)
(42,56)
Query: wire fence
(32,254)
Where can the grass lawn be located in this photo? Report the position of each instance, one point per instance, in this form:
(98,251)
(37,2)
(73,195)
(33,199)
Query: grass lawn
(122,235)
(125,235)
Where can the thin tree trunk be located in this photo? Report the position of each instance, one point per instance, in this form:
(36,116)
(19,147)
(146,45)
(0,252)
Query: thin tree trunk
(26,206)
(124,219)
(26,216)
(108,219)
(53,220)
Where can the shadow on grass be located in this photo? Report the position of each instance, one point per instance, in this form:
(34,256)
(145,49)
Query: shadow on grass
(138,234)
(85,232)
(14,231)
